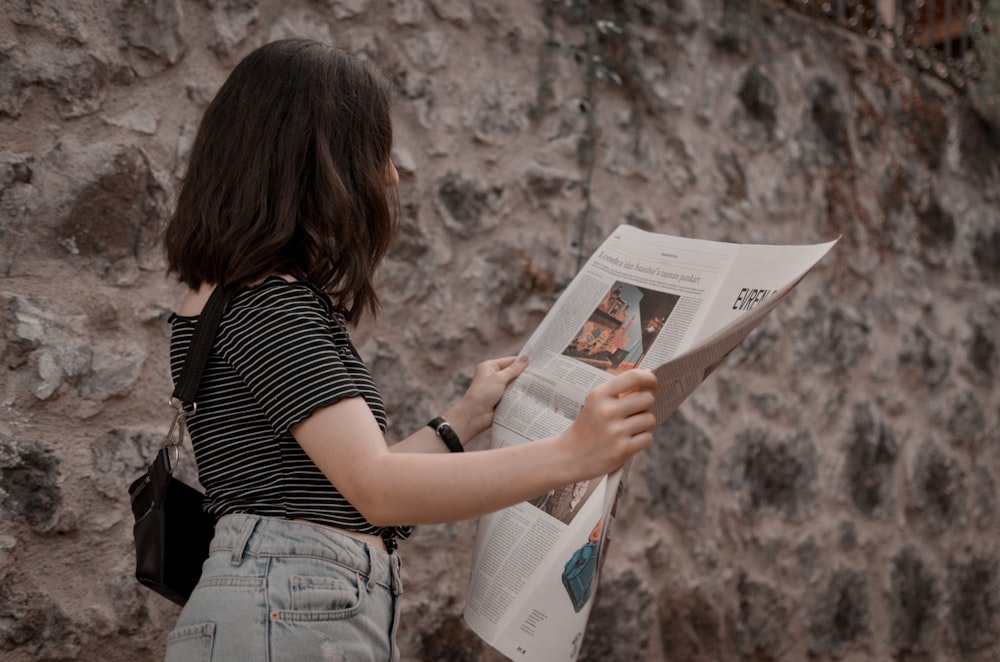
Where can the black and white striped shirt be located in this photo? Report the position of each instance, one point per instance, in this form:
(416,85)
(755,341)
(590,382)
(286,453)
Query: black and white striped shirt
(281,352)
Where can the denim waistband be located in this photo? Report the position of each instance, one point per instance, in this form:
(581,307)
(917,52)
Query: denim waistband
(255,535)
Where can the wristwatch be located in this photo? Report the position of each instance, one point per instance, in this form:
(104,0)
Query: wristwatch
(448,436)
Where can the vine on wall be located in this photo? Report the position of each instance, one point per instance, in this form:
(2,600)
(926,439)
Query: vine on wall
(607,52)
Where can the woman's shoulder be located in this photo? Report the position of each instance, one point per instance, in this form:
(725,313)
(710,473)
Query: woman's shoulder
(275,298)
(279,292)
(272,298)
(276,315)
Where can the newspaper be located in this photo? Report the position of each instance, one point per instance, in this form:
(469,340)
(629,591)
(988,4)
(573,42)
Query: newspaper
(675,306)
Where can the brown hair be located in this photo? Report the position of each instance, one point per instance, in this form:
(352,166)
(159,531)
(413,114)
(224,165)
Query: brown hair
(289,174)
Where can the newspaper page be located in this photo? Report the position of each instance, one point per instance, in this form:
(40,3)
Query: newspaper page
(673,305)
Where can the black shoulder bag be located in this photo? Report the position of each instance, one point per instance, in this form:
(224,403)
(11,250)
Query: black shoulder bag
(172,531)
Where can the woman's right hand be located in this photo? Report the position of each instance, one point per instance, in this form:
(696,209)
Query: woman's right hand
(615,423)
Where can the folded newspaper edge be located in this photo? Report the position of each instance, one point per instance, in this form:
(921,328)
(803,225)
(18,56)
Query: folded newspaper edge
(677,306)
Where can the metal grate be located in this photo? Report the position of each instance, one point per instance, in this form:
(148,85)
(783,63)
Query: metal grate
(935,35)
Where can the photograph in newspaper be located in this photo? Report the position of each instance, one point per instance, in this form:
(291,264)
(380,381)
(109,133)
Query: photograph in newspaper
(621,329)
(580,572)
(564,503)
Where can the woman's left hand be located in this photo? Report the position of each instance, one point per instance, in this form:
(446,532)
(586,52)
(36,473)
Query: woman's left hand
(489,381)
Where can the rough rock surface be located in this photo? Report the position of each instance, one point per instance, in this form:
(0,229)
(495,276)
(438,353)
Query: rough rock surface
(829,493)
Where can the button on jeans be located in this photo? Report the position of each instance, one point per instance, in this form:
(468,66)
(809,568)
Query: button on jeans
(275,590)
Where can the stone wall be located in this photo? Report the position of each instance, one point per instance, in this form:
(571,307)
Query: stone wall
(829,493)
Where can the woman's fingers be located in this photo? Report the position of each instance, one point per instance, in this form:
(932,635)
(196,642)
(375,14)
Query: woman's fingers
(632,380)
(512,366)
(501,363)
(505,368)
(640,424)
(489,382)
(636,402)
(625,406)
(617,420)
(626,396)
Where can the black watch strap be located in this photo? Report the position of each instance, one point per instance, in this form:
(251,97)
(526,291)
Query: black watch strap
(448,436)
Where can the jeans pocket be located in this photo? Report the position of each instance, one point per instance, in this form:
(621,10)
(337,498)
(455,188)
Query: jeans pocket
(325,598)
(191,643)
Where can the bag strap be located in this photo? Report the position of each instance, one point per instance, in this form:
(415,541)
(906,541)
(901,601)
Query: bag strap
(201,344)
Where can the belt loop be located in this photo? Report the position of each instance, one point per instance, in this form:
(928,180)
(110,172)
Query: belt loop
(370,583)
(396,575)
(241,542)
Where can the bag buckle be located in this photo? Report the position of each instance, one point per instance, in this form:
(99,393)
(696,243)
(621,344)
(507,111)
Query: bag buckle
(175,435)
(189,409)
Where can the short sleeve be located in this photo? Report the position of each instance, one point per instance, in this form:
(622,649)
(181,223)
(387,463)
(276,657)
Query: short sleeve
(281,344)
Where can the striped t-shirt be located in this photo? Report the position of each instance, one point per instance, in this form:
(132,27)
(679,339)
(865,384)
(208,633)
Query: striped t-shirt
(281,352)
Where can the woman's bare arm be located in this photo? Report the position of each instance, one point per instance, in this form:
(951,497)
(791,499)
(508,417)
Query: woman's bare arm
(392,488)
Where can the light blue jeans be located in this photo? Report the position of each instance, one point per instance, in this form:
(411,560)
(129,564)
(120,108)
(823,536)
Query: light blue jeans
(275,590)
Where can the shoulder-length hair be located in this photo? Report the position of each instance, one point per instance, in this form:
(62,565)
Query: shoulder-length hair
(290,174)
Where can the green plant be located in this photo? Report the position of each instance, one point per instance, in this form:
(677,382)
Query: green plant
(606,53)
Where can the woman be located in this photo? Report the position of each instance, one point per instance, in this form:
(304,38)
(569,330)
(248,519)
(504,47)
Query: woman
(290,194)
